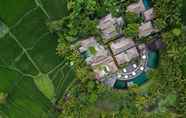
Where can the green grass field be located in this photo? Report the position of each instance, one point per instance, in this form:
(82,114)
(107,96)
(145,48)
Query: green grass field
(27,51)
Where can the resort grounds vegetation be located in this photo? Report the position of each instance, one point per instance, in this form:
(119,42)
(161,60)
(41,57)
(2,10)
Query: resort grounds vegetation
(132,22)
(163,96)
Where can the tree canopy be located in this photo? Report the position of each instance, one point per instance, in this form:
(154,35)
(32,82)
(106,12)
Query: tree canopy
(162,97)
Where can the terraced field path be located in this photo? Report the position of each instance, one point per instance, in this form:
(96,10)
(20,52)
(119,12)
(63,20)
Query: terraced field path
(31,74)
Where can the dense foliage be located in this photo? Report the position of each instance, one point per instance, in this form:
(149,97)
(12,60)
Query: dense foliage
(133,22)
(33,78)
(162,97)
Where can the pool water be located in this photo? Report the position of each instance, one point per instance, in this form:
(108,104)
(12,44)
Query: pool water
(147,4)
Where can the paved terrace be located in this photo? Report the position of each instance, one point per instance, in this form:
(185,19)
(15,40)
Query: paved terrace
(134,70)
(130,72)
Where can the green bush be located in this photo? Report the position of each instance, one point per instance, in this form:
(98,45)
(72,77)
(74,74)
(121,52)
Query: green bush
(131,30)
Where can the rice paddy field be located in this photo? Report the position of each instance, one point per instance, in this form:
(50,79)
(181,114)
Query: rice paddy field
(31,74)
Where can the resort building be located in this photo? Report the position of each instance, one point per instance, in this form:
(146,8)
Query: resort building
(92,51)
(104,67)
(98,57)
(124,50)
(127,56)
(121,45)
(136,7)
(146,29)
(110,27)
(148,15)
(91,41)
(155,45)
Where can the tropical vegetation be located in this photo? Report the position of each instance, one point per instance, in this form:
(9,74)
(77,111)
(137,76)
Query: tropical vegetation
(162,97)
(42,75)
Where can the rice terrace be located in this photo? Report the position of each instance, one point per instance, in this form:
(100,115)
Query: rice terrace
(92,59)
(28,63)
